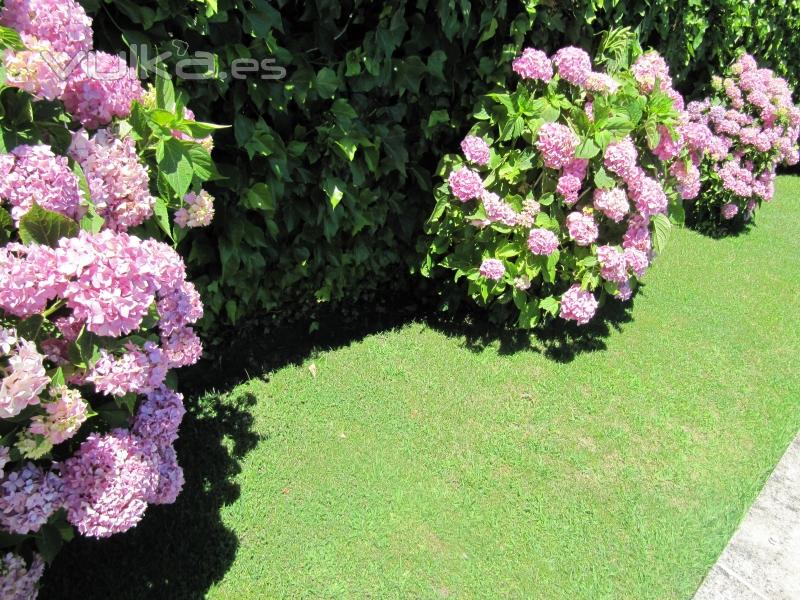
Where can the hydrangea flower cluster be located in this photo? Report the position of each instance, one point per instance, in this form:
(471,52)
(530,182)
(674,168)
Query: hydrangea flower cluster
(198,210)
(118,181)
(35,175)
(565,212)
(58,62)
(93,311)
(752,127)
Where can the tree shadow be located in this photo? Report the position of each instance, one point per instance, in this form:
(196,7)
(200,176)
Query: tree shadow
(180,550)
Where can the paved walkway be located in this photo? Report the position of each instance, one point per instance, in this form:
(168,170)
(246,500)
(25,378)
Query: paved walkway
(762,560)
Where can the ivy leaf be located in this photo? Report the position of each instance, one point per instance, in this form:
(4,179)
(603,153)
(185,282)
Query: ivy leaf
(333,189)
(326,83)
(40,226)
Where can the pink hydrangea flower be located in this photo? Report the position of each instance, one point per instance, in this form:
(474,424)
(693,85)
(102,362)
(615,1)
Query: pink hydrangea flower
(475,150)
(601,83)
(530,208)
(198,211)
(542,242)
(533,64)
(582,228)
(170,477)
(493,269)
(557,143)
(668,148)
(729,211)
(638,234)
(34,174)
(498,210)
(612,203)
(29,279)
(62,23)
(688,178)
(65,414)
(649,68)
(159,417)
(138,370)
(178,306)
(637,261)
(612,264)
(648,196)
(25,379)
(107,483)
(573,64)
(101,87)
(576,167)
(32,70)
(624,291)
(620,158)
(569,186)
(118,182)
(182,348)
(578,305)
(466,184)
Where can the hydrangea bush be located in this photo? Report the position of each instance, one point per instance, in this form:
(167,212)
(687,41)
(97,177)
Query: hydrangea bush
(565,186)
(755,127)
(95,306)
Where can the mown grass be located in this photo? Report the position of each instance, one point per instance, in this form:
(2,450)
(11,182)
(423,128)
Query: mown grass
(426,462)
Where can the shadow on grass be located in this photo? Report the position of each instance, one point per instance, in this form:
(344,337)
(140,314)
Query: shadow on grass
(180,551)
(177,551)
(558,341)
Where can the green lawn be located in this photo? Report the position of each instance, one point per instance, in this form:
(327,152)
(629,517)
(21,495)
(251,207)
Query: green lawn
(421,464)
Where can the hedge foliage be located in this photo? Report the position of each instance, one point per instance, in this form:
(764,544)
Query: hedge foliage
(329,171)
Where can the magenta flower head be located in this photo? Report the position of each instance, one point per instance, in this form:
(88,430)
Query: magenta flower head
(64,24)
(573,65)
(612,264)
(101,88)
(533,64)
(612,203)
(466,184)
(578,305)
(582,228)
(542,242)
(475,150)
(493,269)
(729,211)
(34,174)
(557,143)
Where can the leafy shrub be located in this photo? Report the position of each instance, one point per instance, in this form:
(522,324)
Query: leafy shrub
(563,182)
(756,128)
(95,310)
(329,170)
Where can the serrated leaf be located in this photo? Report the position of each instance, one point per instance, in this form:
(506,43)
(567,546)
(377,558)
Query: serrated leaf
(587,149)
(40,226)
(603,180)
(550,304)
(662,228)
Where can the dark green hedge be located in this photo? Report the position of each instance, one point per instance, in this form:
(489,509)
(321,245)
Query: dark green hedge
(329,170)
